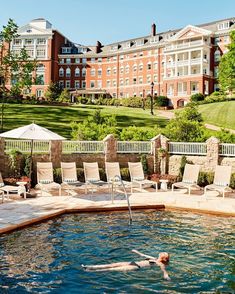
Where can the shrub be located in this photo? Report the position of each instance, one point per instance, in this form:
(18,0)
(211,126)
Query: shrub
(161,101)
(205,178)
(134,102)
(64,96)
(125,173)
(197,97)
(143,160)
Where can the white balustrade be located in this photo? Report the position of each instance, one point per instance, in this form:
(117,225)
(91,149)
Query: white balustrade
(134,147)
(82,147)
(187,148)
(24,146)
(227,150)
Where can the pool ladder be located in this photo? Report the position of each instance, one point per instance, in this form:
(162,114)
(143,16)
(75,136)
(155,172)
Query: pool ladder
(117,177)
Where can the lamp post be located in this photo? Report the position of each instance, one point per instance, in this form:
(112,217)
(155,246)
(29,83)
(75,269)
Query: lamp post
(151,98)
(143,102)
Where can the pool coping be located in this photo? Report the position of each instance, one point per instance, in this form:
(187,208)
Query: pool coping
(93,209)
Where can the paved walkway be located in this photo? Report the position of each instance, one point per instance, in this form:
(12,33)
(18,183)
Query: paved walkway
(169,115)
(16,214)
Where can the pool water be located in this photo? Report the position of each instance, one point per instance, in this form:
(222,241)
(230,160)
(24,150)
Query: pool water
(47,258)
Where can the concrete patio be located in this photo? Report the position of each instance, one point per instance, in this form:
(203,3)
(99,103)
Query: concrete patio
(17,212)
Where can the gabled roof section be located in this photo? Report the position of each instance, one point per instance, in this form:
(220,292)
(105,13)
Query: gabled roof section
(29,30)
(190,32)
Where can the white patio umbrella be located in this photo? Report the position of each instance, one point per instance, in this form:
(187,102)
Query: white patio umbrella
(32,132)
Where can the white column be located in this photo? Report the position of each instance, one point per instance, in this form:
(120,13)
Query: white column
(201,70)
(189,63)
(176,64)
(34,47)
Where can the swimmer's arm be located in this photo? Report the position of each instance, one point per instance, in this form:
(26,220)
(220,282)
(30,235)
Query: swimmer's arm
(141,254)
(165,273)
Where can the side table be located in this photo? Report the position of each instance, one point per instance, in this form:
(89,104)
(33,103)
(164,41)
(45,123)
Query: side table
(163,184)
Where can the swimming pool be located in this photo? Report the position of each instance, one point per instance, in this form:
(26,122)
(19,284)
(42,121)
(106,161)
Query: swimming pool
(47,258)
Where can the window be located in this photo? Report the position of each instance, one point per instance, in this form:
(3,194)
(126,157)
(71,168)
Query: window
(226,39)
(68,60)
(205,71)
(121,69)
(114,70)
(99,84)
(155,78)
(141,54)
(67,84)
(93,60)
(93,72)
(40,75)
(114,95)
(61,72)
(17,42)
(216,71)
(155,66)
(121,82)
(140,42)
(84,60)
(83,84)
(92,84)
(217,55)
(61,84)
(141,66)
(114,58)
(108,72)
(99,72)
(217,40)
(127,69)
(114,83)
(134,55)
(84,72)
(77,72)
(140,80)
(30,53)
(77,60)
(223,25)
(61,60)
(77,84)
(66,50)
(41,53)
(121,57)
(148,79)
(68,73)
(41,41)
(135,67)
(134,81)
(108,83)
(149,66)
(126,82)
(28,42)
(100,59)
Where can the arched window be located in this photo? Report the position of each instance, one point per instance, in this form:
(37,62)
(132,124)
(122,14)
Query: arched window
(127,68)
(141,66)
(135,67)
(121,69)
(68,72)
(93,72)
(217,55)
(61,72)
(40,74)
(77,72)
(84,72)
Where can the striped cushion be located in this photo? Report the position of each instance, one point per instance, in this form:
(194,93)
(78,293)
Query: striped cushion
(138,179)
(188,182)
(70,180)
(45,181)
(222,184)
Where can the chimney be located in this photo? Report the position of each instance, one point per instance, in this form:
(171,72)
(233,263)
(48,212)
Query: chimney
(153,30)
(98,46)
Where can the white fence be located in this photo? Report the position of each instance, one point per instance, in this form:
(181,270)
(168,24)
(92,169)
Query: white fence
(25,146)
(187,148)
(134,147)
(227,150)
(82,147)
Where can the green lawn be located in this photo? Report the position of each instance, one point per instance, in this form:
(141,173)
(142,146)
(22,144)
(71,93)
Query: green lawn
(58,118)
(221,114)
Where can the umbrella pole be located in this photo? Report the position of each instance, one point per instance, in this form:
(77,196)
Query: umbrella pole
(30,166)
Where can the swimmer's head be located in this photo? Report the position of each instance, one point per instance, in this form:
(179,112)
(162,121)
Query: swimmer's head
(164,257)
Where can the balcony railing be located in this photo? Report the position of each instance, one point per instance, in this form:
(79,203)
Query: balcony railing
(187,148)
(134,147)
(82,147)
(183,93)
(185,45)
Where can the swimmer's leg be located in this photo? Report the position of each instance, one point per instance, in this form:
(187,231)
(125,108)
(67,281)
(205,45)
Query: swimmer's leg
(105,266)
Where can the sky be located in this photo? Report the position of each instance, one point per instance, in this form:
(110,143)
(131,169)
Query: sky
(86,21)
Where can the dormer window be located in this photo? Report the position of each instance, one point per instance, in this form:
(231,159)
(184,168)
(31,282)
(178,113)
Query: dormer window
(66,50)
(140,42)
(223,25)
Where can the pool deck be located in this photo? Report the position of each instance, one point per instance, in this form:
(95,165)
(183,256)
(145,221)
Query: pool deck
(19,213)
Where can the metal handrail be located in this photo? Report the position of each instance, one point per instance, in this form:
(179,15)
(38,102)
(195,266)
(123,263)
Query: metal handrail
(125,192)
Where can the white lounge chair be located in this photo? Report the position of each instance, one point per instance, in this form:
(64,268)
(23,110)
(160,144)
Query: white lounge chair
(221,180)
(10,189)
(137,177)
(69,176)
(45,179)
(92,177)
(113,175)
(190,178)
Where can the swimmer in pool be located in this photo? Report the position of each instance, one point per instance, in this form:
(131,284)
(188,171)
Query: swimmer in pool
(161,261)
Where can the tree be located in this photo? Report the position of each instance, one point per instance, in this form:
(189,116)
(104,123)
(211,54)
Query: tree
(186,126)
(53,92)
(64,96)
(227,67)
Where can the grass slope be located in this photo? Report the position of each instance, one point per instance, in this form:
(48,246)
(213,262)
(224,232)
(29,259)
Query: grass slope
(58,118)
(221,114)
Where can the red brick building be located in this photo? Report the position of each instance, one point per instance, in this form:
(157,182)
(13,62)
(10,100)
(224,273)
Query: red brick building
(178,63)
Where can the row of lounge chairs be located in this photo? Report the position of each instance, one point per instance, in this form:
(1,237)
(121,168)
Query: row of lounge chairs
(45,180)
